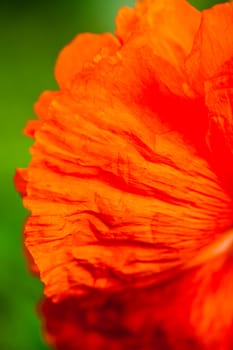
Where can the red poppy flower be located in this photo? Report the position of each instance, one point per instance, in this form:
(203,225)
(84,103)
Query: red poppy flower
(130,184)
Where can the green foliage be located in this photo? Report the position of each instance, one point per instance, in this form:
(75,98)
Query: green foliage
(34,32)
(203,4)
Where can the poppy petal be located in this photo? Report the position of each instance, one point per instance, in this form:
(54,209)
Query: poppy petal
(130,184)
(20,180)
(41,109)
(192,311)
(213,45)
(112,199)
(162,22)
(83,49)
(219,100)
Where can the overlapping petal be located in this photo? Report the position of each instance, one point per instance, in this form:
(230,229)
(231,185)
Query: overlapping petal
(192,311)
(161,23)
(213,45)
(115,193)
(219,99)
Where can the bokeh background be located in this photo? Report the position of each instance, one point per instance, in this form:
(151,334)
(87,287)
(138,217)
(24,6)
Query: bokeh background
(31,35)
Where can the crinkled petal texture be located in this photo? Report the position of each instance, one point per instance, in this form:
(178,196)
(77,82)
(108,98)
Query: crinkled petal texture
(191,312)
(130,186)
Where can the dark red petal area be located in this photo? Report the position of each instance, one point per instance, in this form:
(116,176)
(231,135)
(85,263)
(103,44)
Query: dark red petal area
(20,179)
(219,100)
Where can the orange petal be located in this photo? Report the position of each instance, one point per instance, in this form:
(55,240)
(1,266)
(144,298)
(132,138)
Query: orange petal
(213,45)
(125,192)
(42,106)
(31,127)
(168,25)
(192,311)
(41,109)
(112,200)
(138,77)
(83,49)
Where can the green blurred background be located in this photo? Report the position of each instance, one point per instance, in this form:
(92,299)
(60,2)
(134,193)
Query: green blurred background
(31,35)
